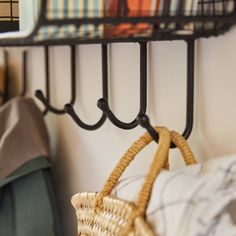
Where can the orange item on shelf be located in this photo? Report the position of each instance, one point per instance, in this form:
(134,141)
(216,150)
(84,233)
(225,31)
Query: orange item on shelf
(156,7)
(136,8)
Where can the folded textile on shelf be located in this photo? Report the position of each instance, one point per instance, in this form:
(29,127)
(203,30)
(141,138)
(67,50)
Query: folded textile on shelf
(217,8)
(135,8)
(72,9)
(60,9)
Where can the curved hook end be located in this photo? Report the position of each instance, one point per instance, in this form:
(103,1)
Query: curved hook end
(144,121)
(68,108)
(39,94)
(103,104)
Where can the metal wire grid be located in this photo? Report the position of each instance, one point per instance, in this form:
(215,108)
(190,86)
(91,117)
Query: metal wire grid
(212,17)
(9,10)
(9,15)
(115,28)
(216,7)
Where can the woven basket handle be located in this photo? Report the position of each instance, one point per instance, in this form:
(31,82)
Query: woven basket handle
(128,157)
(159,162)
(156,167)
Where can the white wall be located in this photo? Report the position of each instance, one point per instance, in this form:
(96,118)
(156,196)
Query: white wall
(83,159)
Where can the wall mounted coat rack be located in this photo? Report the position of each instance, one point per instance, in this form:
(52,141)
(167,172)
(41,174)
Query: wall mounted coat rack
(142,119)
(68,108)
(39,94)
(61,24)
(103,103)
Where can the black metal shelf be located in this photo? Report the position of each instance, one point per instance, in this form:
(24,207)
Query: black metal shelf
(9,17)
(123,26)
(6,26)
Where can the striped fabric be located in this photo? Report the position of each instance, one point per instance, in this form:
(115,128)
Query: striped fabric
(73,9)
(198,200)
(136,8)
(63,9)
(9,10)
(221,7)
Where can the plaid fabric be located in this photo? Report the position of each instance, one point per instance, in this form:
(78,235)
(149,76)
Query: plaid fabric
(62,9)
(194,7)
(136,8)
(198,200)
(9,10)
(215,7)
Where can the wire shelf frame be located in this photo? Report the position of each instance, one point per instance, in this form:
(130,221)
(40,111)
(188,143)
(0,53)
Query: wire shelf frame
(9,15)
(73,22)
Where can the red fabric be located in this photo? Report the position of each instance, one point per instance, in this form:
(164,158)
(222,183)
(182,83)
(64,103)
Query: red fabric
(136,8)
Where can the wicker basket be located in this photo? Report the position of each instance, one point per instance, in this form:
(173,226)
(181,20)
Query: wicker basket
(101,214)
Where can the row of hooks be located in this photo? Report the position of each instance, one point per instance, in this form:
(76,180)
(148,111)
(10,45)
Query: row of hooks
(141,119)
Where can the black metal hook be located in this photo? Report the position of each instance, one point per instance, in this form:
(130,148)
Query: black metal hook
(5,94)
(47,83)
(25,74)
(143,119)
(25,77)
(69,107)
(103,103)
(39,94)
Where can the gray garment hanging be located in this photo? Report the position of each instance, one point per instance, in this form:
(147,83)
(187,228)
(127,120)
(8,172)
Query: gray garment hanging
(23,134)
(27,204)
